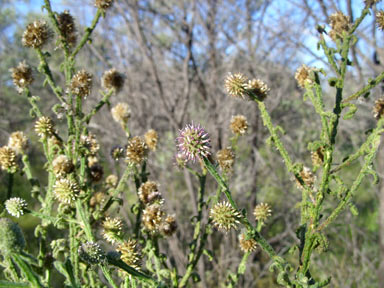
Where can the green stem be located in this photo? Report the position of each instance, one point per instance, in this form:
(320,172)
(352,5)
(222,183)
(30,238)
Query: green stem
(10,185)
(371,84)
(99,105)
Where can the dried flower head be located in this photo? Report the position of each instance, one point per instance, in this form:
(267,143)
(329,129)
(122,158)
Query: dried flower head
(16,206)
(18,142)
(153,217)
(112,80)
(247,245)
(8,159)
(89,144)
(36,34)
(149,192)
(193,142)
(239,124)
(81,83)
(136,150)
(91,253)
(317,157)
(226,159)
(257,89)
(62,166)
(224,217)
(22,76)
(112,229)
(340,23)
(262,212)
(151,139)
(378,109)
(11,237)
(44,127)
(67,27)
(121,113)
(129,254)
(117,152)
(369,3)
(97,199)
(103,4)
(96,172)
(66,190)
(168,226)
(111,181)
(302,76)
(235,85)
(307,177)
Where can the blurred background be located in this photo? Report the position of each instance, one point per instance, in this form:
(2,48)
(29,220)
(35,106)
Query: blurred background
(175,55)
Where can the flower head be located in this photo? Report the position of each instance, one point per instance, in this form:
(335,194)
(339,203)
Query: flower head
(16,206)
(226,159)
(151,139)
(11,237)
(8,159)
(136,150)
(91,253)
(81,83)
(193,142)
(22,76)
(378,109)
(112,80)
(340,23)
(36,34)
(129,254)
(224,217)
(66,190)
(121,113)
(149,193)
(18,142)
(103,4)
(67,27)
(62,166)
(44,127)
(235,85)
(257,89)
(262,212)
(302,76)
(239,124)
(112,229)
(153,217)
(247,245)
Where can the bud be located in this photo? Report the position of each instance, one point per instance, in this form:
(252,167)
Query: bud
(302,76)
(81,84)
(44,127)
(136,150)
(16,206)
(378,109)
(91,253)
(149,193)
(121,113)
(235,85)
(112,80)
(66,190)
(247,245)
(112,229)
(8,159)
(226,159)
(129,254)
(36,35)
(224,217)
(62,166)
(239,124)
(22,76)
(67,27)
(11,237)
(151,139)
(262,212)
(257,89)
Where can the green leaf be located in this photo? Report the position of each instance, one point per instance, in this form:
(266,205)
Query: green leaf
(352,110)
(27,271)
(7,284)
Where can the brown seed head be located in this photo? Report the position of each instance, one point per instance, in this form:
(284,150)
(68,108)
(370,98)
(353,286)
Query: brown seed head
(239,124)
(81,83)
(168,226)
(136,150)
(151,139)
(302,76)
(112,80)
(18,142)
(149,193)
(44,127)
(257,89)
(36,34)
(247,245)
(22,76)
(62,166)
(380,20)
(96,172)
(153,217)
(103,4)
(340,23)
(8,159)
(235,85)
(226,159)
(378,109)
(262,212)
(67,27)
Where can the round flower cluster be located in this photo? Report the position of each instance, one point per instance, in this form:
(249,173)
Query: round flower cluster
(151,139)
(149,193)
(239,124)
(89,144)
(8,159)
(339,23)
(247,245)
(136,150)
(224,217)
(129,254)
(66,190)
(16,206)
(91,253)
(62,166)
(226,159)
(302,76)
(67,27)
(112,229)
(44,127)
(36,35)
(238,86)
(121,113)
(81,84)
(18,142)
(112,79)
(262,212)
(22,76)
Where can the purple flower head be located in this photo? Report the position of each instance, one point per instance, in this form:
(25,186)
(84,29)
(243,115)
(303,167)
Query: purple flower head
(193,142)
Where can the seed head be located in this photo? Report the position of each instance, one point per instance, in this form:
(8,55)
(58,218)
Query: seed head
(67,27)
(302,76)
(111,181)
(129,254)
(89,144)
(247,245)
(117,152)
(96,172)
(257,89)
(262,212)
(152,217)
(168,226)
(62,166)
(81,84)
(44,127)
(226,159)
(121,113)
(151,139)
(103,4)
(36,35)
(91,253)
(369,3)
(149,193)
(18,142)
(193,142)
(308,178)
(22,76)
(380,20)
(8,159)
(224,217)
(340,23)
(235,85)
(11,237)
(239,124)
(378,109)
(112,80)
(136,150)
(16,206)
(66,190)
(112,229)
